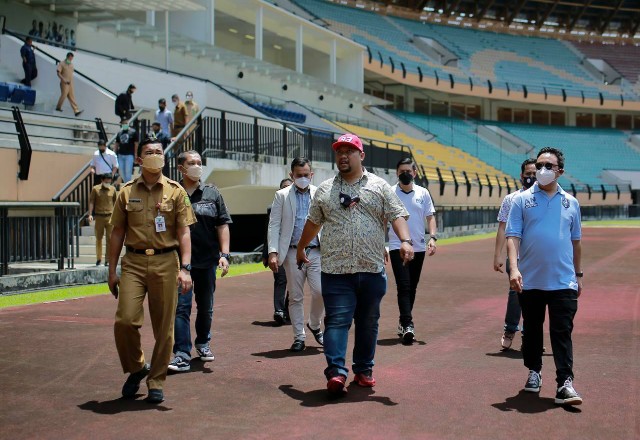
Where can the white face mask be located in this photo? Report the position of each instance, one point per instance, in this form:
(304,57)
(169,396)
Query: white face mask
(106,184)
(545,176)
(302,182)
(194,172)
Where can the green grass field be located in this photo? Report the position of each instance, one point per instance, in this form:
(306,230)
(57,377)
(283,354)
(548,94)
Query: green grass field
(240,269)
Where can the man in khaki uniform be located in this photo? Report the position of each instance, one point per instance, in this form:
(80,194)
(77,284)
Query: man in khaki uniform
(151,217)
(180,116)
(102,200)
(65,73)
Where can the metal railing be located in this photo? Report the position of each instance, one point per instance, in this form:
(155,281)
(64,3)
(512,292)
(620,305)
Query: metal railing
(216,133)
(38,232)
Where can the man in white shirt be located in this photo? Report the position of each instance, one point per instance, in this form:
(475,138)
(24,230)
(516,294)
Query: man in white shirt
(419,204)
(104,161)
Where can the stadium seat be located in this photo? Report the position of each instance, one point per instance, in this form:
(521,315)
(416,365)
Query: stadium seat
(29,97)
(17,96)
(4,92)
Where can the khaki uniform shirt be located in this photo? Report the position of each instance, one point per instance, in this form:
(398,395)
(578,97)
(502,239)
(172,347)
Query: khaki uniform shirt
(353,238)
(180,116)
(103,199)
(192,109)
(66,70)
(137,207)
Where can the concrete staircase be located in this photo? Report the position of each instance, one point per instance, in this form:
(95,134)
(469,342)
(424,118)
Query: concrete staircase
(87,246)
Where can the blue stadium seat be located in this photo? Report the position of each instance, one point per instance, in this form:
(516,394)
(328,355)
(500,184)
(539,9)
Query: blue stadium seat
(4,92)
(29,97)
(17,96)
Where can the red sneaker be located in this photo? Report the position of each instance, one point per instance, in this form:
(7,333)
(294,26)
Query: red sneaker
(335,385)
(365,379)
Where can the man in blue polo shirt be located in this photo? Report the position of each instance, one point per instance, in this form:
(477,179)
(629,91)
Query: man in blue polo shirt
(543,246)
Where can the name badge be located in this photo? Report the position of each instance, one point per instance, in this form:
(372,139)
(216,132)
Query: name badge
(161,226)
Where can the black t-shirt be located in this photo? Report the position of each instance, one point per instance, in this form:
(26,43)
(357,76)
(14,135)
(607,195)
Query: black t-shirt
(127,142)
(210,212)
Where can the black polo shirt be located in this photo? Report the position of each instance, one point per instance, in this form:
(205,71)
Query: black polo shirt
(211,212)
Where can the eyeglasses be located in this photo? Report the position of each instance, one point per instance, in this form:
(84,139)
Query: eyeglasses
(547,165)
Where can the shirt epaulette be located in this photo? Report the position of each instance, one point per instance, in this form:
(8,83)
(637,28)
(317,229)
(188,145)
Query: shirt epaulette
(129,183)
(174,183)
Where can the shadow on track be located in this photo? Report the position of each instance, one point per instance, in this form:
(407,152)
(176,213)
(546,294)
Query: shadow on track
(318,398)
(531,403)
(120,405)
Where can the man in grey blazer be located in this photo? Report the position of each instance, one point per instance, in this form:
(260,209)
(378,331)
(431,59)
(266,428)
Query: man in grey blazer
(286,221)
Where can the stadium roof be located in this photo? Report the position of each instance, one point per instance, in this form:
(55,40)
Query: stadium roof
(90,6)
(600,16)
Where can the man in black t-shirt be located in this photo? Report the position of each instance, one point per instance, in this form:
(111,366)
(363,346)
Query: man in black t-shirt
(209,251)
(126,147)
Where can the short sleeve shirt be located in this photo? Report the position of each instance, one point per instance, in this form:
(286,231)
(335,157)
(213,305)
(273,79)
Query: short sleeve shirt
(66,70)
(127,142)
(353,238)
(103,199)
(180,115)
(419,204)
(546,227)
(137,207)
(505,207)
(104,163)
(211,212)
(165,119)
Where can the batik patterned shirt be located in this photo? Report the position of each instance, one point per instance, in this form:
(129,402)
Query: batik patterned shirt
(353,238)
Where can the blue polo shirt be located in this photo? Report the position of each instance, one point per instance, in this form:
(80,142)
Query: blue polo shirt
(546,227)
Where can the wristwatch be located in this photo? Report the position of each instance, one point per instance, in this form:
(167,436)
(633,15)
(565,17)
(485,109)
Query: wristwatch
(579,274)
(408,240)
(227,256)
(435,238)
(186,267)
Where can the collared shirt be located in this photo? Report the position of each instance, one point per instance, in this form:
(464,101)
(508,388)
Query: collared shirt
(419,204)
(546,227)
(137,207)
(192,109)
(65,70)
(104,163)
(303,201)
(353,238)
(505,207)
(165,119)
(103,199)
(211,212)
(28,53)
(179,116)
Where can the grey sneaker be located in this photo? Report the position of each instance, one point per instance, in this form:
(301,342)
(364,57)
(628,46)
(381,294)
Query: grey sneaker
(534,382)
(205,353)
(179,364)
(567,395)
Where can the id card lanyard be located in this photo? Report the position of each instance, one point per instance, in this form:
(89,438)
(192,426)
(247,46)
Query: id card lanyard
(161,225)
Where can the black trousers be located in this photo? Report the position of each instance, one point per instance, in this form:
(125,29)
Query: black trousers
(563,305)
(407,279)
(280,301)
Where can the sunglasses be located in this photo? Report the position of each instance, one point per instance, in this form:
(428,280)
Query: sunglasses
(347,201)
(547,165)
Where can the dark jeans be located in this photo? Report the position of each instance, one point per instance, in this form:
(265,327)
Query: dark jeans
(563,305)
(351,298)
(407,278)
(280,302)
(513,313)
(30,73)
(204,286)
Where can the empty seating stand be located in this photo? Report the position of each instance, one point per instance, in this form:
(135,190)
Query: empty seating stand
(17,94)
(285,115)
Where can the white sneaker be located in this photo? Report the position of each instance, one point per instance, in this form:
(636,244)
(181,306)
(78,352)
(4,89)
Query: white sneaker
(507,339)
(205,353)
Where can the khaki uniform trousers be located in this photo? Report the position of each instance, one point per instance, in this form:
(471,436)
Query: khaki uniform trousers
(102,224)
(156,275)
(66,91)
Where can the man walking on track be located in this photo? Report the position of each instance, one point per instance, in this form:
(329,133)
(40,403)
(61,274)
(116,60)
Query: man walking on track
(288,213)
(545,254)
(209,251)
(353,208)
(512,316)
(417,200)
(151,217)
(65,73)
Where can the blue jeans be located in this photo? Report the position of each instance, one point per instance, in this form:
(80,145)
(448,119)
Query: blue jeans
(351,298)
(204,286)
(125,166)
(512,316)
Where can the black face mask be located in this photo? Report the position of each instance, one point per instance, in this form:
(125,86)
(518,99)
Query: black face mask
(528,182)
(405,178)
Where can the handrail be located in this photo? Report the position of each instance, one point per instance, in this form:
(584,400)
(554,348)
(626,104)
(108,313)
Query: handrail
(88,164)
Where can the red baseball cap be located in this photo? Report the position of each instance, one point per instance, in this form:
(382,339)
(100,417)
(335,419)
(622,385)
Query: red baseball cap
(348,140)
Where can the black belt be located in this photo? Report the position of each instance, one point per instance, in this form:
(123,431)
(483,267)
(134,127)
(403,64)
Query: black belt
(295,246)
(103,215)
(150,252)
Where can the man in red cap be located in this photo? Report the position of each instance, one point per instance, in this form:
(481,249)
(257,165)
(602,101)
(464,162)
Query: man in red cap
(353,208)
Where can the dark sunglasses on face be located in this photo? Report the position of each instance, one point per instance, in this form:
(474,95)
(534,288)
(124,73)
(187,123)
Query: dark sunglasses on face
(547,165)
(347,201)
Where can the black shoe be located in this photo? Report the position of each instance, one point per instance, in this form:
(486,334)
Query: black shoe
(317,334)
(155,396)
(58,109)
(79,112)
(106,264)
(278,317)
(534,382)
(132,384)
(408,334)
(297,346)
(98,262)
(567,395)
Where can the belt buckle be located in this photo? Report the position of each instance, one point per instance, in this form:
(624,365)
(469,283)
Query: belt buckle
(150,252)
